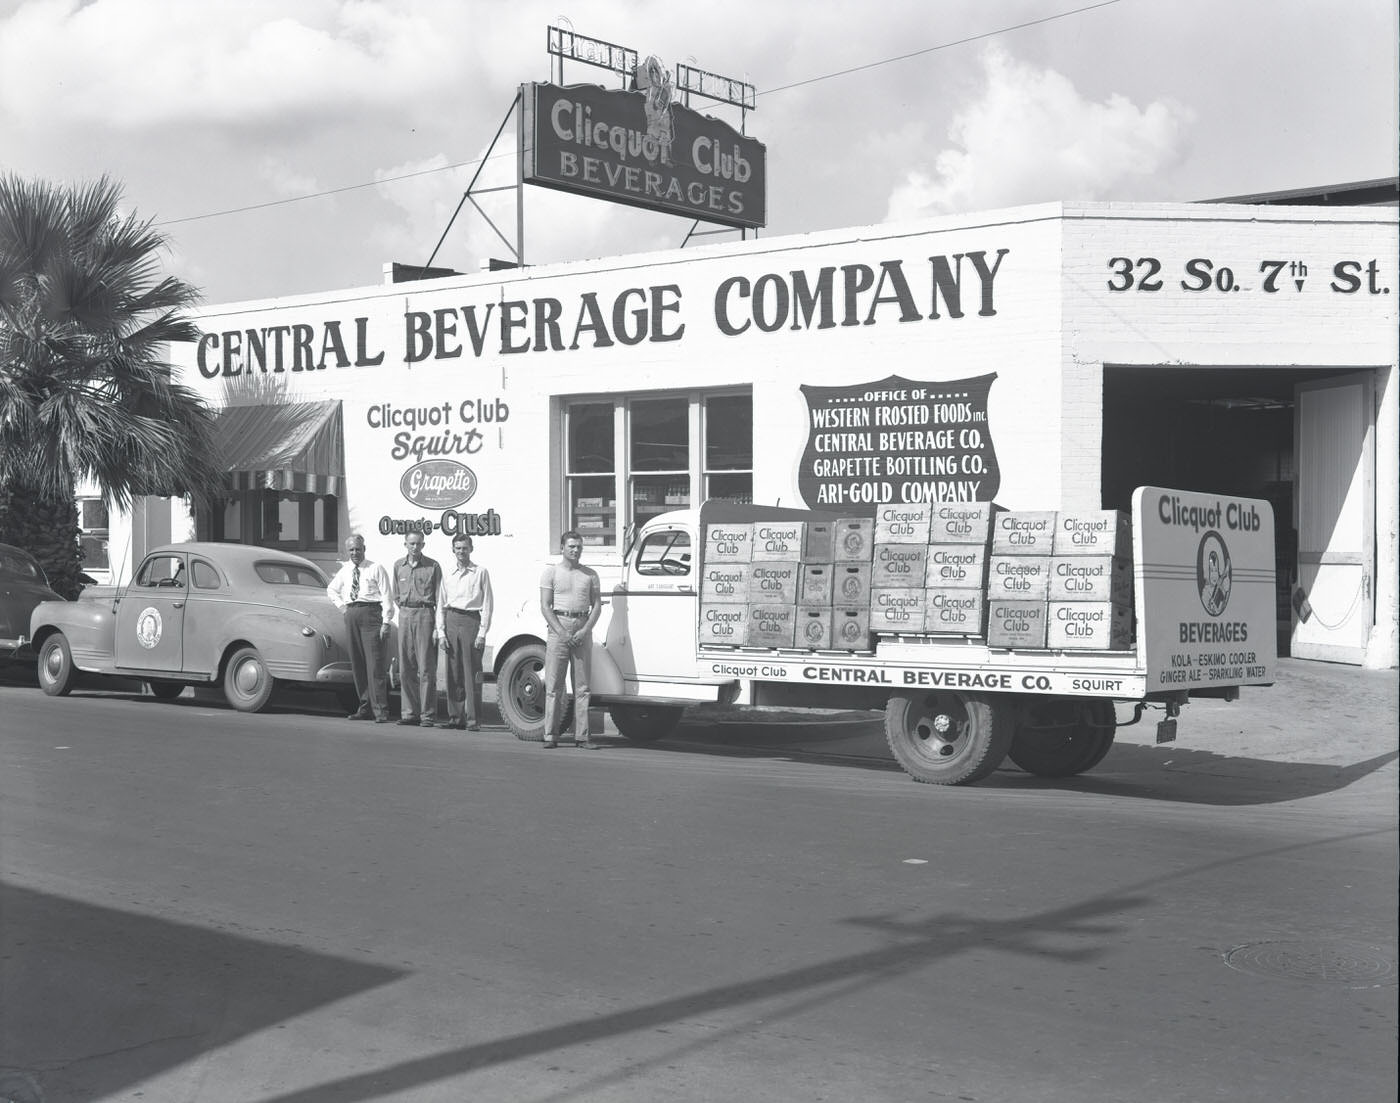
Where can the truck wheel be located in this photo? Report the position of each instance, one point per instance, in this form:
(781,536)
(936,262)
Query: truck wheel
(948,737)
(645,723)
(520,693)
(165,690)
(55,666)
(247,684)
(1061,737)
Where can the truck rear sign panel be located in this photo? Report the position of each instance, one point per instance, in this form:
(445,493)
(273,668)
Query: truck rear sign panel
(1206,563)
(898,440)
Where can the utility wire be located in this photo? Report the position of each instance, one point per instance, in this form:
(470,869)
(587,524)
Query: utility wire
(765,92)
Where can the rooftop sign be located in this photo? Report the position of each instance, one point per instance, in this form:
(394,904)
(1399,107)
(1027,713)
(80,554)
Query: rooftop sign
(639,148)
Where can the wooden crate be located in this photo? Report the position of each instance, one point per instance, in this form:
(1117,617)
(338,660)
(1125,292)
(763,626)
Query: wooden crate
(729,543)
(956,612)
(956,566)
(725,582)
(850,584)
(773,583)
(1094,532)
(817,544)
(722,625)
(852,540)
(1090,626)
(1023,532)
(814,585)
(1018,624)
(1091,578)
(905,523)
(771,625)
(813,627)
(898,566)
(777,541)
(850,628)
(900,611)
(962,523)
(1019,577)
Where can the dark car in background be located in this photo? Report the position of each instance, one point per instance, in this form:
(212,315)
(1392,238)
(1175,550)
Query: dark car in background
(23,585)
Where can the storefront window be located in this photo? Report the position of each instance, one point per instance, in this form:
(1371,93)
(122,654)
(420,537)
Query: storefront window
(670,444)
(660,447)
(590,483)
(729,447)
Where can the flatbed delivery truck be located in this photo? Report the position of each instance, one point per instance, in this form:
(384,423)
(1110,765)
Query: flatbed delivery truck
(749,605)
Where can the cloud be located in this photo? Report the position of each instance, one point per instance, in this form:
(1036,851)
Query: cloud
(1032,137)
(138,64)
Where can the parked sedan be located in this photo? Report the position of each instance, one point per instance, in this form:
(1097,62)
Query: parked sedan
(242,617)
(22,587)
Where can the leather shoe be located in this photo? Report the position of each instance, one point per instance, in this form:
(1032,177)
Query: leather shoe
(405,721)
(472,727)
(426,722)
(550,744)
(586,745)
(360,716)
(381,719)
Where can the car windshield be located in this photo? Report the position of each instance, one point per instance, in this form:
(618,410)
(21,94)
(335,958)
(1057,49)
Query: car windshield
(15,564)
(279,572)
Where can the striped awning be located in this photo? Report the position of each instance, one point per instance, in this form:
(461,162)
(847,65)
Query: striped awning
(295,446)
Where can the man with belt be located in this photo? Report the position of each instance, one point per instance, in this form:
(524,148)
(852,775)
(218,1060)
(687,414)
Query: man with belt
(360,589)
(570,599)
(465,604)
(416,582)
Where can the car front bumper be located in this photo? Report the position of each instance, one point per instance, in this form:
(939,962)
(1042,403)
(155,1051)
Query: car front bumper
(336,674)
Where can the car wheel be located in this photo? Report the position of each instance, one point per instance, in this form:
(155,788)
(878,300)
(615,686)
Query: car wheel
(247,684)
(520,692)
(1061,737)
(55,666)
(948,737)
(164,689)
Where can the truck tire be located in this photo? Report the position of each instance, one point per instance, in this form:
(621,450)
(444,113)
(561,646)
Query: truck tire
(645,723)
(948,737)
(247,683)
(55,666)
(1061,737)
(520,693)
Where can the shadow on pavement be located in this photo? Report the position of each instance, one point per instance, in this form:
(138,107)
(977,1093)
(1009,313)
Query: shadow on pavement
(97,999)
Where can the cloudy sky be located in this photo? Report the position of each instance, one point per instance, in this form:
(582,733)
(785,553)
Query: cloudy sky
(291,146)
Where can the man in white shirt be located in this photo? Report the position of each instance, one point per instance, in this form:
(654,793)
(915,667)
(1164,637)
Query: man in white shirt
(360,589)
(464,607)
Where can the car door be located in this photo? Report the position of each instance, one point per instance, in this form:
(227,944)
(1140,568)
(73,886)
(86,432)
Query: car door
(651,635)
(151,615)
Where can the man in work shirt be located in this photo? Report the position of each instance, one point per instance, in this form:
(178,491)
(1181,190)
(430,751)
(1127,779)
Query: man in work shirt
(465,605)
(360,590)
(416,582)
(570,598)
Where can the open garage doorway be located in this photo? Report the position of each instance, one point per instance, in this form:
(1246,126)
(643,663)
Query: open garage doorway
(1249,432)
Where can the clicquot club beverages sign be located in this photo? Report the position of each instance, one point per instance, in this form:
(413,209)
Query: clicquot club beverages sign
(641,149)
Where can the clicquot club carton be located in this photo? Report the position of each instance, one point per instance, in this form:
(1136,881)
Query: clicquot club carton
(952,566)
(903,523)
(773,583)
(1023,532)
(779,541)
(1016,624)
(962,523)
(723,625)
(899,610)
(1094,532)
(1091,578)
(852,539)
(813,627)
(814,585)
(898,566)
(958,612)
(725,582)
(850,628)
(1090,626)
(728,543)
(771,625)
(1023,577)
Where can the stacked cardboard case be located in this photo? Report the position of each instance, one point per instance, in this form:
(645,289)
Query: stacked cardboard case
(1018,579)
(787,584)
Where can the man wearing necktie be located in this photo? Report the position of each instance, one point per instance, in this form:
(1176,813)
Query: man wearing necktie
(360,590)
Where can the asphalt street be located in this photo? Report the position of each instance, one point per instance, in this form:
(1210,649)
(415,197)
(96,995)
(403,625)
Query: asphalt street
(202,906)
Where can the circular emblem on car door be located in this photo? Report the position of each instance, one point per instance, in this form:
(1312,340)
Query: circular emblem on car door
(148,628)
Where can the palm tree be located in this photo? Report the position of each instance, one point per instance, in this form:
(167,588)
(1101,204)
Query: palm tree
(85,388)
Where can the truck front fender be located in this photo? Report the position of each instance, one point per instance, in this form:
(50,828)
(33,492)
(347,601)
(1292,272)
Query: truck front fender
(604,677)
